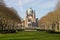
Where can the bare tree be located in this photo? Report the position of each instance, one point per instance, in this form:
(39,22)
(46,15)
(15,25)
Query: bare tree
(58,5)
(2,2)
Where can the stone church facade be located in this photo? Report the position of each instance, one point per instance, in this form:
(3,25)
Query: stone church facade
(30,20)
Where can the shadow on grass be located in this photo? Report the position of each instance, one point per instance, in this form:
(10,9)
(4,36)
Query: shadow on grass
(53,32)
(6,32)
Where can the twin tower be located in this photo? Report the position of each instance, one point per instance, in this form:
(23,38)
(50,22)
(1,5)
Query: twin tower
(30,19)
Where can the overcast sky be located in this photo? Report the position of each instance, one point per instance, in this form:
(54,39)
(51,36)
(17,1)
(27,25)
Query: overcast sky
(41,7)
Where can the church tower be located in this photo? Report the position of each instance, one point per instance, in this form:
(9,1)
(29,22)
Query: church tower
(30,20)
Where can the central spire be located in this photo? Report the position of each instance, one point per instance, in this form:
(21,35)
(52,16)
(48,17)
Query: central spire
(30,11)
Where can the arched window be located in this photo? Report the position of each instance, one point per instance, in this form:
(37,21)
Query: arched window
(29,25)
(29,20)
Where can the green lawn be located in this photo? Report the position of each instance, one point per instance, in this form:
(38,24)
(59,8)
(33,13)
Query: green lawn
(30,36)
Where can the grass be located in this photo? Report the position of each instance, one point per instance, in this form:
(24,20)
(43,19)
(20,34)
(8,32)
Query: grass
(30,36)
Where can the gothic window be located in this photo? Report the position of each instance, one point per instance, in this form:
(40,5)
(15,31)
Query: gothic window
(29,24)
(29,20)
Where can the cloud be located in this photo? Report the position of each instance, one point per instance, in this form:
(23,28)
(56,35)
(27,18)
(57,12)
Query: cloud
(44,4)
(40,6)
(21,3)
(10,3)
(26,1)
(48,5)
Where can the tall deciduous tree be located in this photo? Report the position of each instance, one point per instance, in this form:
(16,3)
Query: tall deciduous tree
(52,18)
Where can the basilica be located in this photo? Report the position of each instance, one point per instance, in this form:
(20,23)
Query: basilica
(30,19)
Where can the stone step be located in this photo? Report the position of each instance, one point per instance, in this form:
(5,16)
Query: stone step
(30,30)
